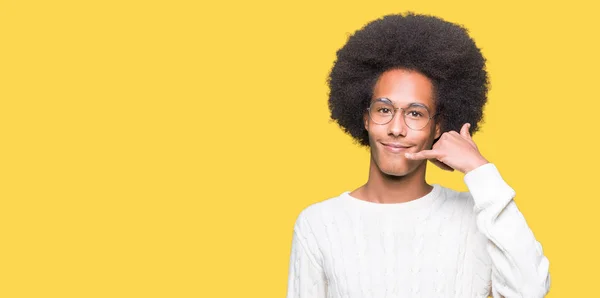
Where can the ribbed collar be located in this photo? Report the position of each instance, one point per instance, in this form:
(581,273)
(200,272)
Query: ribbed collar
(417,204)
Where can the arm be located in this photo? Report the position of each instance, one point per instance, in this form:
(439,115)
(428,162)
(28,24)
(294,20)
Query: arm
(519,267)
(306,277)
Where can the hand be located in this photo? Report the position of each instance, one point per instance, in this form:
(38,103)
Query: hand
(453,151)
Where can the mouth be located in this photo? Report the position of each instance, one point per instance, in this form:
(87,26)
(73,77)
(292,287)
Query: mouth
(395,147)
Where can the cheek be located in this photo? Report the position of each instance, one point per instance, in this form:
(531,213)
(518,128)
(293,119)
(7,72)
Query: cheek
(422,139)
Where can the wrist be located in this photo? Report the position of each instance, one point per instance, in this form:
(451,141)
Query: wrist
(476,164)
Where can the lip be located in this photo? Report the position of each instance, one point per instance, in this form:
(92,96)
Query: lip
(395,147)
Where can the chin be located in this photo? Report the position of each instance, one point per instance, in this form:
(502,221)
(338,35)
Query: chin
(396,173)
(398,169)
(392,164)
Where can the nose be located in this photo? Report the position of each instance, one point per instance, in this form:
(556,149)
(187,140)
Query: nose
(397,127)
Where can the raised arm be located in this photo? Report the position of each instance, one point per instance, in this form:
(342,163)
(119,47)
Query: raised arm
(519,267)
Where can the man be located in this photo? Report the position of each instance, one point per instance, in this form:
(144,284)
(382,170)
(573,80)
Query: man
(412,88)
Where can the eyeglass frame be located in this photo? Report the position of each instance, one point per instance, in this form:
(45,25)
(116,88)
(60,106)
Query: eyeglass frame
(385,99)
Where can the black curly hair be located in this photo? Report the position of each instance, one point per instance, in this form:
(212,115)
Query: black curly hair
(440,50)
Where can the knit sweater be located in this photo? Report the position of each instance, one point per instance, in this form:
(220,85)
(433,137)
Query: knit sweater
(444,244)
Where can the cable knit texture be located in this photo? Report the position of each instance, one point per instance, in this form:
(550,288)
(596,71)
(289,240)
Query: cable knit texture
(445,244)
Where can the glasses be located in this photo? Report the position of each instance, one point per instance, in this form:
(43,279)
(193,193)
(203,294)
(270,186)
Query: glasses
(416,116)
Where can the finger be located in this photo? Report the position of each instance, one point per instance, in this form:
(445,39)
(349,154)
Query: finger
(464,131)
(425,154)
(442,165)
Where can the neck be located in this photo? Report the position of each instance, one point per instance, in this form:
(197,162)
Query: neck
(388,189)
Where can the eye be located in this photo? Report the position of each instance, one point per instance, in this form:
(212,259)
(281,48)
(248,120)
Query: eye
(384,110)
(414,114)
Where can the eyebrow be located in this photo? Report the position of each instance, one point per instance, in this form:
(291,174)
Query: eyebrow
(414,103)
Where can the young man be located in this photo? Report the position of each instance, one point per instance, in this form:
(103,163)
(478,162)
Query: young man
(412,88)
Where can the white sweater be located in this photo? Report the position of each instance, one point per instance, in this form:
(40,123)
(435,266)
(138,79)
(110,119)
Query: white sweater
(445,244)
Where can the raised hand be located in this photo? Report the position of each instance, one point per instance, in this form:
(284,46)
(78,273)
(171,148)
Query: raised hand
(453,151)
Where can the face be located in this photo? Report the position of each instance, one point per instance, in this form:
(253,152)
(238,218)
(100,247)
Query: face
(390,141)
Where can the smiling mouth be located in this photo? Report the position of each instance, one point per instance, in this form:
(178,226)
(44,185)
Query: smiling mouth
(395,147)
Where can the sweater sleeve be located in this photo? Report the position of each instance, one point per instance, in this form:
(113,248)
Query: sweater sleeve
(519,267)
(306,277)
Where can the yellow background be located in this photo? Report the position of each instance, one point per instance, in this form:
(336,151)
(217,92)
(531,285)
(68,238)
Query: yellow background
(165,148)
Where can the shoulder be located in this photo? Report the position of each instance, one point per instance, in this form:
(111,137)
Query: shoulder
(456,202)
(452,196)
(316,212)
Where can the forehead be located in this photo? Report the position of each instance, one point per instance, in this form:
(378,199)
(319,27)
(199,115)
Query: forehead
(404,87)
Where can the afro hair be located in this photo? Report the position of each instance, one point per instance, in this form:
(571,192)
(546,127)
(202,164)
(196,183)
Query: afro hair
(440,50)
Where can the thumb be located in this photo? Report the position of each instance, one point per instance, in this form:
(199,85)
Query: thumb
(464,131)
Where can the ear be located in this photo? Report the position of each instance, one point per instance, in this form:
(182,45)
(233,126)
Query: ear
(438,130)
(366,120)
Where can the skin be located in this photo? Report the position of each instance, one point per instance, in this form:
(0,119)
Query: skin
(397,176)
